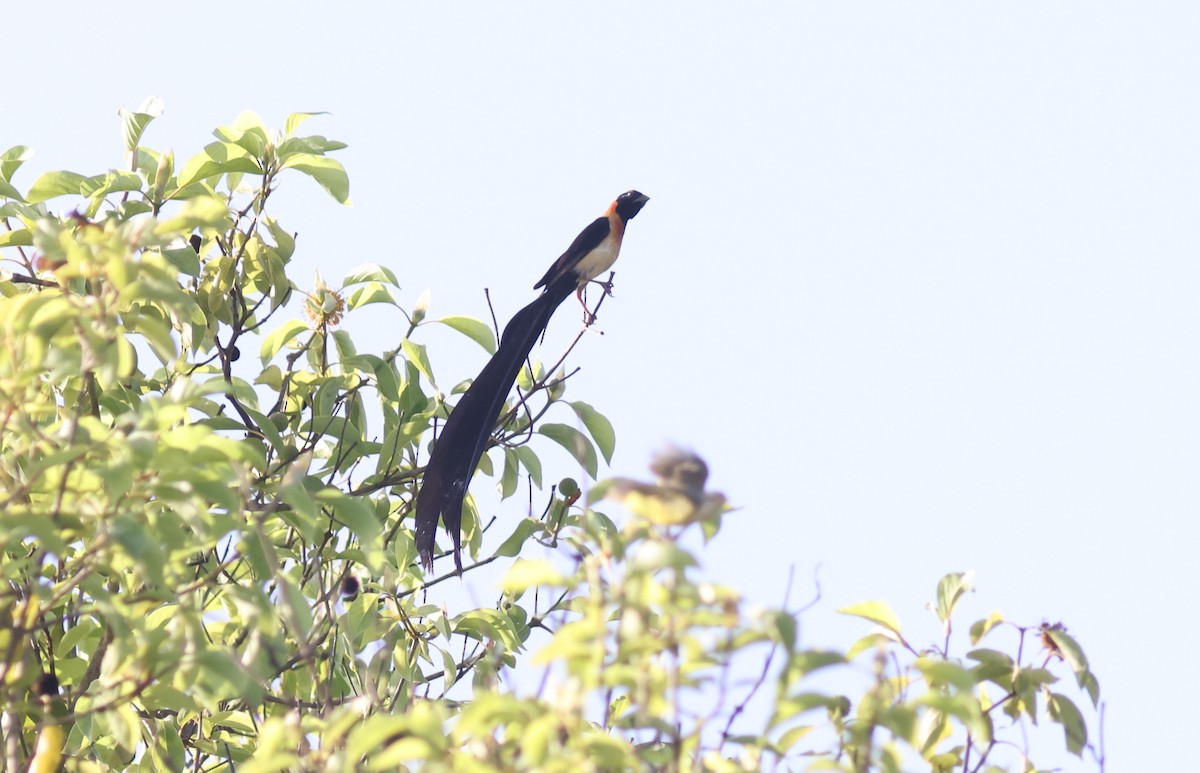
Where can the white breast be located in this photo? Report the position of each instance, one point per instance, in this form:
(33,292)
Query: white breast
(598,260)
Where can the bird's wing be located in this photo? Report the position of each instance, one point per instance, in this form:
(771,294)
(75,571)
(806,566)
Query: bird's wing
(588,240)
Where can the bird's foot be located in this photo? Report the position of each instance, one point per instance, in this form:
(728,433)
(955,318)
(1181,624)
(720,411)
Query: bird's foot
(608,287)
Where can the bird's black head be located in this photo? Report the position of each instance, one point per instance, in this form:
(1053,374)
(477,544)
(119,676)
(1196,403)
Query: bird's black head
(630,203)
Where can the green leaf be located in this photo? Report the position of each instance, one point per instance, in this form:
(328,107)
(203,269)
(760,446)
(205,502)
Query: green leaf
(37,525)
(247,132)
(247,120)
(134,124)
(405,550)
(472,328)
(200,212)
(124,727)
(158,333)
(994,666)
(1032,678)
(335,427)
(267,427)
(1072,653)
(77,634)
(871,641)
(508,479)
(370,272)
(344,344)
(526,574)
(304,515)
(532,372)
(328,173)
(11,160)
(299,607)
(941,672)
(235,720)
(385,375)
(9,192)
(483,624)
(254,141)
(373,292)
(112,180)
(791,737)
(217,158)
(962,705)
(781,628)
(532,464)
(600,428)
(259,554)
(18,237)
(449,668)
(574,441)
(315,144)
(1088,682)
(27,212)
(1066,713)
(512,546)
(358,514)
(53,184)
(140,545)
(276,339)
(788,707)
(950,589)
(416,354)
(49,316)
(485,465)
(183,258)
(981,628)
(875,611)
(295,119)
(285,243)
(806,662)
(655,555)
(374,734)
(608,753)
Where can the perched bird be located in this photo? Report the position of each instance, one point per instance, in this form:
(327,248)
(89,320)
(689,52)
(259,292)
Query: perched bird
(596,248)
(465,435)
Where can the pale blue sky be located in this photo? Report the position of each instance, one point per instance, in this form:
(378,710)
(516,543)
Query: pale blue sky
(918,280)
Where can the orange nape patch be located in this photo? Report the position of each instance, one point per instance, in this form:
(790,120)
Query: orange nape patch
(616,225)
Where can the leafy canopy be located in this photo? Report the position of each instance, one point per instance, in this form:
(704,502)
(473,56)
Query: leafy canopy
(205,491)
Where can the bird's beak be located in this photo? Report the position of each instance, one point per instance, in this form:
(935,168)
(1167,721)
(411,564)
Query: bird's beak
(633,201)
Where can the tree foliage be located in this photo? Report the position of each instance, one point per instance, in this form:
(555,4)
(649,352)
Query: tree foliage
(205,490)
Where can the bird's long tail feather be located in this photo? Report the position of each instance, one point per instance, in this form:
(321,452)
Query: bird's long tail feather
(465,434)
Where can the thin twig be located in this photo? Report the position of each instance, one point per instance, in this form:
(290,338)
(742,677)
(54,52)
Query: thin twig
(31,280)
(766,669)
(447,576)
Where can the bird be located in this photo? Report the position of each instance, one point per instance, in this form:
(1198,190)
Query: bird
(596,248)
(465,435)
(678,497)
